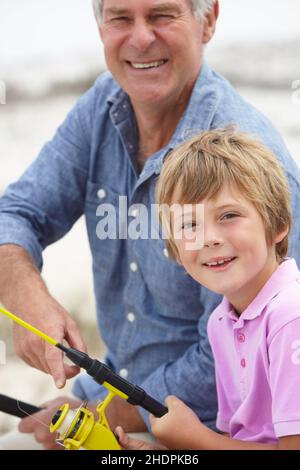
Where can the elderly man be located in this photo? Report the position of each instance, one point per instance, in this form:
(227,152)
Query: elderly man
(152,316)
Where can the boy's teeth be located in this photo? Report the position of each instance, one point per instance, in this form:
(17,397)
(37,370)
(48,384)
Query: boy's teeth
(149,65)
(215,263)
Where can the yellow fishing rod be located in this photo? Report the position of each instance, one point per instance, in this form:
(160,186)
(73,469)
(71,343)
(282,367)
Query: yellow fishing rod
(77,428)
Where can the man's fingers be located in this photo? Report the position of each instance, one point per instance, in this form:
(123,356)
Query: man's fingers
(73,336)
(54,359)
(71,371)
(29,424)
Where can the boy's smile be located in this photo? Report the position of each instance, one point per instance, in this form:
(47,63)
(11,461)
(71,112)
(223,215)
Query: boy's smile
(220,263)
(235,258)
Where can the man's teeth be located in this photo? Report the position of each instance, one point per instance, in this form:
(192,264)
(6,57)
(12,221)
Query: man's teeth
(149,65)
(216,263)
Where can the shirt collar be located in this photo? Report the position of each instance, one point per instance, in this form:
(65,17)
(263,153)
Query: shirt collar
(196,118)
(286,273)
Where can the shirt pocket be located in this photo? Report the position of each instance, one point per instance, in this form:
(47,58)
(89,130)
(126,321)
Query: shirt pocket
(102,220)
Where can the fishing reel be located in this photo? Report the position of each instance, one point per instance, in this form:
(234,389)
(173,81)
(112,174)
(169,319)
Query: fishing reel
(80,428)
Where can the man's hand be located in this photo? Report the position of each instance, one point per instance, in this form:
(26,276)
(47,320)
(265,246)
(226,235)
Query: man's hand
(23,291)
(52,319)
(39,422)
(121,413)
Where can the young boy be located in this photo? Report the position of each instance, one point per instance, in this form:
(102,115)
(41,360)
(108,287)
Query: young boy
(255,331)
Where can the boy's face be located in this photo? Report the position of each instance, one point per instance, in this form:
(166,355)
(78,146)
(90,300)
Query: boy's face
(235,258)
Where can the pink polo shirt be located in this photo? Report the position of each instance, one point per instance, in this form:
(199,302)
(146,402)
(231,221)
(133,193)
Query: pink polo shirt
(257,360)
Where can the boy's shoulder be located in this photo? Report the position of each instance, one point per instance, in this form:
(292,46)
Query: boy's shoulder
(284,308)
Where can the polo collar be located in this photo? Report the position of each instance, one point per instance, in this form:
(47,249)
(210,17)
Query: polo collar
(286,273)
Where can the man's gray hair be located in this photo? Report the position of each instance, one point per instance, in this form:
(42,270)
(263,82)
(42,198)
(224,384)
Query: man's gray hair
(199,7)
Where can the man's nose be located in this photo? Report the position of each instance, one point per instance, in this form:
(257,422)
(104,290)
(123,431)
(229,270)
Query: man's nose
(142,35)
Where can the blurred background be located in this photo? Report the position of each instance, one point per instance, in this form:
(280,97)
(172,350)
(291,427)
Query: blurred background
(50,53)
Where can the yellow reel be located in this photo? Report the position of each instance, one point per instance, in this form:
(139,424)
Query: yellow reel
(78,428)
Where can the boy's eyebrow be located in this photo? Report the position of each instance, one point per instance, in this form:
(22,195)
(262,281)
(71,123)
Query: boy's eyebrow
(230,204)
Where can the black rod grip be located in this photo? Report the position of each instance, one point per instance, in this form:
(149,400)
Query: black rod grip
(102,373)
(17,408)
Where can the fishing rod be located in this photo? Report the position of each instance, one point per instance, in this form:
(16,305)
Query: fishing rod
(17,408)
(77,427)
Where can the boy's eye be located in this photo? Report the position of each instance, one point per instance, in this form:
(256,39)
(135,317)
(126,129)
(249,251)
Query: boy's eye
(229,215)
(189,226)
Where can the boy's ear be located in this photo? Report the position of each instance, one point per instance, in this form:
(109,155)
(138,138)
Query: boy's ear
(280,236)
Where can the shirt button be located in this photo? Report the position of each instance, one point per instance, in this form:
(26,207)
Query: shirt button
(101,193)
(243,363)
(241,337)
(133,267)
(166,253)
(123,373)
(131,317)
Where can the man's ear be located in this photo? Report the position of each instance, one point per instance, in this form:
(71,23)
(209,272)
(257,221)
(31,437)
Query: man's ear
(210,23)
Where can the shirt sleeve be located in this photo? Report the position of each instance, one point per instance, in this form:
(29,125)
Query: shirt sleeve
(43,205)
(284,357)
(191,377)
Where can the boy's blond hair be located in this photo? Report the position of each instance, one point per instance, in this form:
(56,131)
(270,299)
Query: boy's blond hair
(200,167)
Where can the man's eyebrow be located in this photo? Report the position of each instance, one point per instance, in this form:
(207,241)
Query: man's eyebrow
(116,11)
(163,7)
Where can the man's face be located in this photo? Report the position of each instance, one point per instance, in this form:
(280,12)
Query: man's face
(153,48)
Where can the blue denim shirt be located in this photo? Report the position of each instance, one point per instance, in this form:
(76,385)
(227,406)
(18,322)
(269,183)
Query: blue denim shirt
(151,314)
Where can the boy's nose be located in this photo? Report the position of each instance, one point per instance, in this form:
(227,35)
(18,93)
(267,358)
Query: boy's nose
(211,237)
(212,242)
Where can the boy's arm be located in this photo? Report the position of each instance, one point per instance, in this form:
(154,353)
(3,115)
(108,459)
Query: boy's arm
(180,429)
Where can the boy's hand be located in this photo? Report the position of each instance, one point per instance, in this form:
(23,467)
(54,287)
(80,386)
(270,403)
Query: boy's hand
(179,427)
(128,443)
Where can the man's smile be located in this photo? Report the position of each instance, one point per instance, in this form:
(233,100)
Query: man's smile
(147,64)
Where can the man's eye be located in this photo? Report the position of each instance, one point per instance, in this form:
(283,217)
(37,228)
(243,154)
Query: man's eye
(163,17)
(119,19)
